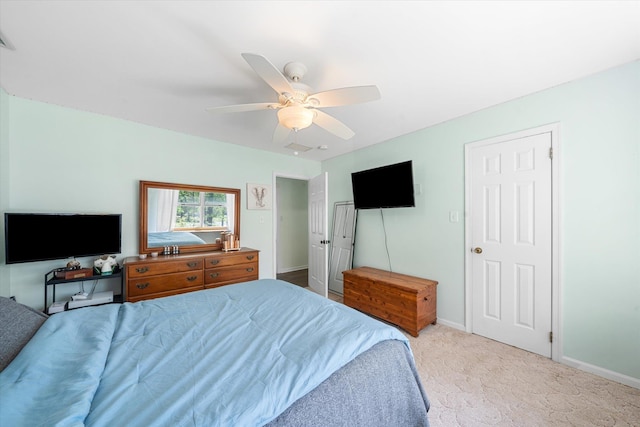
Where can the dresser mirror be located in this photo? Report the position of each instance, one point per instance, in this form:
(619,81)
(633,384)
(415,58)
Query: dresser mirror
(191,217)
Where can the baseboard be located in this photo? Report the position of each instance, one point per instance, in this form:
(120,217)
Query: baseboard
(574,363)
(601,372)
(450,324)
(292,269)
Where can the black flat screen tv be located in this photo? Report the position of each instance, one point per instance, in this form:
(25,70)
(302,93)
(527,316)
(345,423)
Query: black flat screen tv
(388,186)
(47,236)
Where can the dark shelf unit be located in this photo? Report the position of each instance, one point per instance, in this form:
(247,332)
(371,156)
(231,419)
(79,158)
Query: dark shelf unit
(50,280)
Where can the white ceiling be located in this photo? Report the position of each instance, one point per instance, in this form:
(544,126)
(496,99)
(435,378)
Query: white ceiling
(161,63)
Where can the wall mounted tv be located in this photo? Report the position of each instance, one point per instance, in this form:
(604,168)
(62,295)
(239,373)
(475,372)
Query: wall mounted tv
(388,186)
(48,236)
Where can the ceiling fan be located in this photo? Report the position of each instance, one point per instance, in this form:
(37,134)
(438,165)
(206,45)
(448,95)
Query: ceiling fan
(297,106)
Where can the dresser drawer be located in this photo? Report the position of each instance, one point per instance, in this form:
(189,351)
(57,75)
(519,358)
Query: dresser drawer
(167,275)
(168,282)
(230,274)
(154,268)
(230,259)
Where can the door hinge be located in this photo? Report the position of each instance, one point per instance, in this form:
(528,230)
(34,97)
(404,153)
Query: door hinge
(551,153)
(550,336)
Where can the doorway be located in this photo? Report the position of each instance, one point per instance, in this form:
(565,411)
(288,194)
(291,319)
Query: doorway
(511,232)
(292,237)
(291,223)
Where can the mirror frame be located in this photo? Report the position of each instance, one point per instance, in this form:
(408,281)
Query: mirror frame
(146,185)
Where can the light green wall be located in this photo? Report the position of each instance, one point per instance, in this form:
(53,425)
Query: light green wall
(64,160)
(5,288)
(599,158)
(58,159)
(293,242)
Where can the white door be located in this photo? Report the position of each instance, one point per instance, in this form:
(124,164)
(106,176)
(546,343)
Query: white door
(318,235)
(511,242)
(341,244)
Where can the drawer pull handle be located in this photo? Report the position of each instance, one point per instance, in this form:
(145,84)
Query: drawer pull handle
(214,261)
(250,269)
(142,285)
(142,269)
(214,275)
(192,264)
(192,278)
(250,257)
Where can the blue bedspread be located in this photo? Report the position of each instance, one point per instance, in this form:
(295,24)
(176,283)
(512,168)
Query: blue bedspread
(236,355)
(172,238)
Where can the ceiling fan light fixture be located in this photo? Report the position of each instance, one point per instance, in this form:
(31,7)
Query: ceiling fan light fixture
(295,117)
(298,107)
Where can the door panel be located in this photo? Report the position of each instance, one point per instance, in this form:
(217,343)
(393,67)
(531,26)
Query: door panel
(341,244)
(511,238)
(318,235)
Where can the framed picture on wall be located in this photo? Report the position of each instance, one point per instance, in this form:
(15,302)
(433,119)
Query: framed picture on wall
(258,196)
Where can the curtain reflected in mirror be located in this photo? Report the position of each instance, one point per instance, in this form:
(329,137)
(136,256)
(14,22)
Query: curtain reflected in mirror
(193,218)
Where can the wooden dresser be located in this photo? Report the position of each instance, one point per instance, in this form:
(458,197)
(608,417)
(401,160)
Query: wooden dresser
(175,274)
(406,301)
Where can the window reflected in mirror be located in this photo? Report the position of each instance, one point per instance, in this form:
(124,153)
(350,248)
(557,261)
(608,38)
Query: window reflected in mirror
(190,217)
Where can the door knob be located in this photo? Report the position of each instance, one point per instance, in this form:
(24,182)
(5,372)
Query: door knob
(478,250)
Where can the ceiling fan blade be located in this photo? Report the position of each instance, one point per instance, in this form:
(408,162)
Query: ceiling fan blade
(241,108)
(280,134)
(346,96)
(269,73)
(332,125)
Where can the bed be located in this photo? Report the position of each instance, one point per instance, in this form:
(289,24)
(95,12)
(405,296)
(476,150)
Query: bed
(172,238)
(264,352)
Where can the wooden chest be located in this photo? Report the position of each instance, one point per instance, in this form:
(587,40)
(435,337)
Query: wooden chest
(406,301)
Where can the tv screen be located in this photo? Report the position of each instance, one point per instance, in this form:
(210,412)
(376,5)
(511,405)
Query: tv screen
(40,237)
(388,186)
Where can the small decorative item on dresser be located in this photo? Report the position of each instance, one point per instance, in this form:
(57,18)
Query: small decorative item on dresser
(142,256)
(154,254)
(230,241)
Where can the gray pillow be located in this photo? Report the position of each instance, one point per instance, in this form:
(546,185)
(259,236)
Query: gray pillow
(18,323)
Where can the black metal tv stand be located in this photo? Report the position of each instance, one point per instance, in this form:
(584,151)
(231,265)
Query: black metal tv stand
(51,280)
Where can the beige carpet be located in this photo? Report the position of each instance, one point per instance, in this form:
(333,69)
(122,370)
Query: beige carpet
(474,381)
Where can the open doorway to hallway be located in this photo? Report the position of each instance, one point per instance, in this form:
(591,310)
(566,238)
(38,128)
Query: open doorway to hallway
(292,231)
(292,222)
(298,277)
